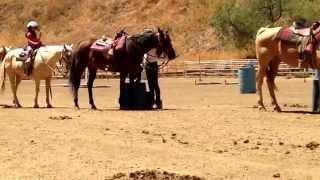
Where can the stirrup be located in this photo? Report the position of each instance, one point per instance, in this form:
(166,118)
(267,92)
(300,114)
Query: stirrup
(26,67)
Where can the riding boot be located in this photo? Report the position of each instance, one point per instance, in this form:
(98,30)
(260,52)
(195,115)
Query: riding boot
(26,67)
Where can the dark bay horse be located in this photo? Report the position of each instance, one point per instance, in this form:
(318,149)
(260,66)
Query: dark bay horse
(127,61)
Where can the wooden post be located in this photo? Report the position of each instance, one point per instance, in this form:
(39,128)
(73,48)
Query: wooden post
(304,75)
(200,69)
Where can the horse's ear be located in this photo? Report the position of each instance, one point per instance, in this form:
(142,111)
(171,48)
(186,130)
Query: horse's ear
(64,48)
(71,46)
(168,30)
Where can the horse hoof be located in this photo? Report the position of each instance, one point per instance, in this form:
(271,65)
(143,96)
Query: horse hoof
(17,106)
(36,106)
(277,109)
(77,108)
(262,108)
(93,108)
(49,106)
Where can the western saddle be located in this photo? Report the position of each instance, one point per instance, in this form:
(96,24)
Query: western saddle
(305,38)
(109,46)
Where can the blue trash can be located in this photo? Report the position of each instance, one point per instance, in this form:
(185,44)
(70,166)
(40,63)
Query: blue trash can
(247,80)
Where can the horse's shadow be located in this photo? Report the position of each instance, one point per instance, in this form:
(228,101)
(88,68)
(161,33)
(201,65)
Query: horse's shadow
(6,106)
(137,110)
(300,112)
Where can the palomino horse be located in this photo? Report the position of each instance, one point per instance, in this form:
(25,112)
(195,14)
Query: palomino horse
(270,51)
(43,67)
(126,61)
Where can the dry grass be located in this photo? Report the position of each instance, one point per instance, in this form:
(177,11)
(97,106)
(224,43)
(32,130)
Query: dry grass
(74,20)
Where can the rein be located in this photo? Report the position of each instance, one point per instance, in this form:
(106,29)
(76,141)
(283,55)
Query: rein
(163,64)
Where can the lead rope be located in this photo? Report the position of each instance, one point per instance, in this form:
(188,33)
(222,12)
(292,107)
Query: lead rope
(163,64)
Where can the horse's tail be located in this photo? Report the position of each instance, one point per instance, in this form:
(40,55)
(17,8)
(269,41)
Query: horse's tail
(79,61)
(3,76)
(75,74)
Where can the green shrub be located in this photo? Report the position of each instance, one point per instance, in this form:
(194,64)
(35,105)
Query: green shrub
(237,21)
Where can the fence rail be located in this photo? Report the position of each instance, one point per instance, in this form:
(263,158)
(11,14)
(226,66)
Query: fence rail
(227,68)
(231,67)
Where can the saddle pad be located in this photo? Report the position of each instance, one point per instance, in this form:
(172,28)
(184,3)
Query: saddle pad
(102,45)
(302,32)
(288,36)
(120,42)
(22,56)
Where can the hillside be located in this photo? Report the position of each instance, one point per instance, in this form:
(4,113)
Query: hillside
(74,20)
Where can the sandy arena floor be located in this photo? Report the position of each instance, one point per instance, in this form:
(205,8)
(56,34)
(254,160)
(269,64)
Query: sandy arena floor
(209,131)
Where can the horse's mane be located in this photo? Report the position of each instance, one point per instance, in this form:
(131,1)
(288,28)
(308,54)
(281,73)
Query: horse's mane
(142,35)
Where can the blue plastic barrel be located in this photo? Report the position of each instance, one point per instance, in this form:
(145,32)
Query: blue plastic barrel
(247,80)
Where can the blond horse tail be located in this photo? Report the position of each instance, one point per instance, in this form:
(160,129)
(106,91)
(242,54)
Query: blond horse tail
(3,76)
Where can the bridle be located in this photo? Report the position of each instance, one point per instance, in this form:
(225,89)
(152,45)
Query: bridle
(63,58)
(163,64)
(165,55)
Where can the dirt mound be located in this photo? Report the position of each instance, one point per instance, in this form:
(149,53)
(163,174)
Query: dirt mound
(60,117)
(152,175)
(312,145)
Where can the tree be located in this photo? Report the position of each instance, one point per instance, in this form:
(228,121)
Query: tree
(237,21)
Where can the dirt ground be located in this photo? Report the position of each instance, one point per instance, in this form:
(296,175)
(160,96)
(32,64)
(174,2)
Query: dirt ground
(209,131)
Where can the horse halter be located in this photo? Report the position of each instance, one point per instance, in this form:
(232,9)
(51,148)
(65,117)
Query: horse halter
(65,58)
(160,50)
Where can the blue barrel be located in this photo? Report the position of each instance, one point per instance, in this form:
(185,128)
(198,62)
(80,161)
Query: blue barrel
(247,80)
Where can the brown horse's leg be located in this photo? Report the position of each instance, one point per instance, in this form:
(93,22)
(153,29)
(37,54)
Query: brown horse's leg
(92,77)
(76,71)
(123,76)
(271,75)
(75,98)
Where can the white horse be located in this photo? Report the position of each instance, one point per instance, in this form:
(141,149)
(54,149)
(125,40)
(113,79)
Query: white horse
(43,68)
